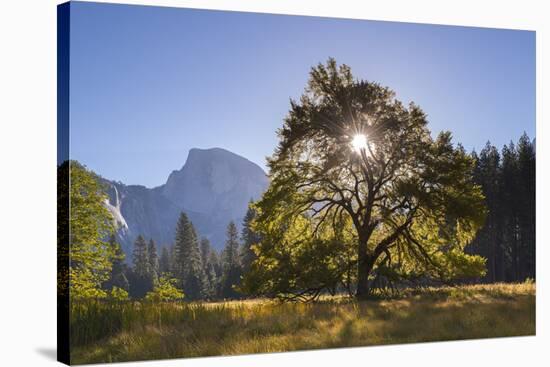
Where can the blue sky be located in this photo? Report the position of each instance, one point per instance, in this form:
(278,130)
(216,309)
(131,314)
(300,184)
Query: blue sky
(150,83)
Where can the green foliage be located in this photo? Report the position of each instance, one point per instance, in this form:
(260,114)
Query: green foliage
(142,276)
(153,259)
(205,249)
(140,257)
(91,224)
(209,263)
(165,290)
(231,250)
(231,266)
(249,238)
(118,294)
(407,200)
(165,262)
(118,277)
(187,260)
(297,261)
(213,273)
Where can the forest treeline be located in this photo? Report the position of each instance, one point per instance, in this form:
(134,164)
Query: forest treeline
(190,264)
(507,240)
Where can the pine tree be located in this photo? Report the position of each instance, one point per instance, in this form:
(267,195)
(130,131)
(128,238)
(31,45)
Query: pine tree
(118,273)
(231,266)
(153,259)
(173,264)
(231,251)
(187,259)
(487,174)
(526,206)
(509,210)
(249,238)
(205,249)
(214,273)
(208,269)
(215,261)
(164,261)
(142,279)
(140,257)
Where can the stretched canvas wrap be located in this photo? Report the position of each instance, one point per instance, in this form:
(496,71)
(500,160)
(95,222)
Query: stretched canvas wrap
(234,183)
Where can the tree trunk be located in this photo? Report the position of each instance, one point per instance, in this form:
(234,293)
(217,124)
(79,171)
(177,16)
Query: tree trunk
(365,264)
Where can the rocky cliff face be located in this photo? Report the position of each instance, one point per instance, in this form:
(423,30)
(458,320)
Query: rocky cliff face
(213,187)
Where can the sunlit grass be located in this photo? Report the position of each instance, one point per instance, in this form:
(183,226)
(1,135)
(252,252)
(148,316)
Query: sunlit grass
(135,331)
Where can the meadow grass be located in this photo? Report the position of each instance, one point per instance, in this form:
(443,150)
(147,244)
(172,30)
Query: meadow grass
(116,332)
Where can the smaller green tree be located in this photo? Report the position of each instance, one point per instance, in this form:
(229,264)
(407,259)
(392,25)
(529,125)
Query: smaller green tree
(165,261)
(231,275)
(249,238)
(526,167)
(211,281)
(153,259)
(187,259)
(165,290)
(142,276)
(118,277)
(141,257)
(214,274)
(118,294)
(216,262)
(205,249)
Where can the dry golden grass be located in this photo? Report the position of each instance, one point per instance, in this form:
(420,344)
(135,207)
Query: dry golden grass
(134,331)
